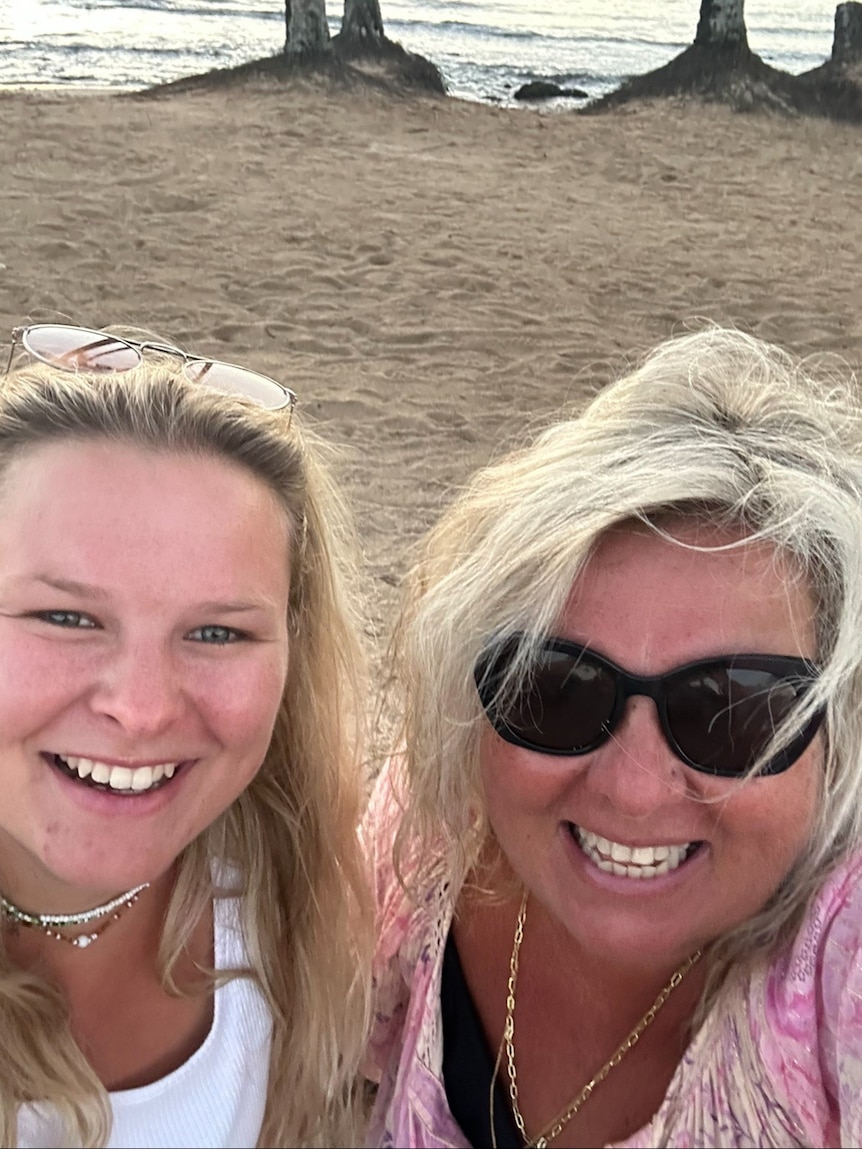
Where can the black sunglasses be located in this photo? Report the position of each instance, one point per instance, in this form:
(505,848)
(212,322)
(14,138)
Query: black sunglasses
(718,714)
(99,353)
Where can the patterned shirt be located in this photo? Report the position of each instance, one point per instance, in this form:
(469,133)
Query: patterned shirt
(780,1064)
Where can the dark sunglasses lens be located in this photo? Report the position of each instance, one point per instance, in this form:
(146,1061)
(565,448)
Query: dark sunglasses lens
(564,704)
(231,380)
(79,349)
(723,717)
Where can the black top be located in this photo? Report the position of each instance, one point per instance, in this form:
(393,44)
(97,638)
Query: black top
(468,1064)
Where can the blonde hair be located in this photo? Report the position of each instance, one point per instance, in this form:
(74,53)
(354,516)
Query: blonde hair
(292,834)
(715,426)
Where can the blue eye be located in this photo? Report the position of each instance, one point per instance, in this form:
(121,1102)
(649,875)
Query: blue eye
(216,635)
(70,619)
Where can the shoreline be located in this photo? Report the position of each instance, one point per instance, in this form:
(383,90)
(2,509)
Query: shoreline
(72,91)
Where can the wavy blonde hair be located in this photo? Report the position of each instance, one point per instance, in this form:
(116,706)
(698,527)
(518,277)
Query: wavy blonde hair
(292,834)
(715,426)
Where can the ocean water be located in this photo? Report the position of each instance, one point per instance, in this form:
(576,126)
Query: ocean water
(484,48)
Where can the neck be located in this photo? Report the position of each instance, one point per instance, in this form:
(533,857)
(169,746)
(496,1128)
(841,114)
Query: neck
(630,981)
(623,972)
(130,943)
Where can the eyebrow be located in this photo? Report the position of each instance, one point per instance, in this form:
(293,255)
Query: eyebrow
(71,586)
(242,607)
(98,594)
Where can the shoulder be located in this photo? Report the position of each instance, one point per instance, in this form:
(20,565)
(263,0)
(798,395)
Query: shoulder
(826,949)
(410,927)
(813,1004)
(839,978)
(412,899)
(378,832)
(824,954)
(779,1060)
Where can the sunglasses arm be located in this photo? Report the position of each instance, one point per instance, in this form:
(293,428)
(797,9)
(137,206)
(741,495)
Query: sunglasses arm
(16,338)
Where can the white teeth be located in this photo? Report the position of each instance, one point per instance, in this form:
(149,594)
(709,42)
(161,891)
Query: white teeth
(122,778)
(643,856)
(84,766)
(630,861)
(100,772)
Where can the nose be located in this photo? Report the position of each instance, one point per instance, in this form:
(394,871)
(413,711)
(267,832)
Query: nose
(140,691)
(635,770)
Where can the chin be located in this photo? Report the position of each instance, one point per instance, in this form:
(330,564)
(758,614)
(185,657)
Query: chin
(93,881)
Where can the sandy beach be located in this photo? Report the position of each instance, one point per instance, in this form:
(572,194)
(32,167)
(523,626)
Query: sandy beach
(435,279)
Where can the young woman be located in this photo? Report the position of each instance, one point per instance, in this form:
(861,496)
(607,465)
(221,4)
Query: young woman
(183,929)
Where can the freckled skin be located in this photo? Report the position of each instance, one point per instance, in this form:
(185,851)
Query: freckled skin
(650,606)
(172,551)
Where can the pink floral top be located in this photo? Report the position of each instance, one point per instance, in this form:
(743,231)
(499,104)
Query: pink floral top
(781,1066)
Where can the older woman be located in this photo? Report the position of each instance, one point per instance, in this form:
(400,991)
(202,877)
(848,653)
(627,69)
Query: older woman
(628,816)
(182,938)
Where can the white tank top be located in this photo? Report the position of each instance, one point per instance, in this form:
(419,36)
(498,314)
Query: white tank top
(216,1098)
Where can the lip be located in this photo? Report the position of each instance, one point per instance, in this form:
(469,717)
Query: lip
(115,803)
(637,843)
(109,760)
(659,884)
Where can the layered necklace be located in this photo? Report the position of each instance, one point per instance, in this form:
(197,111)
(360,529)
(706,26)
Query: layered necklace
(554,1128)
(52,924)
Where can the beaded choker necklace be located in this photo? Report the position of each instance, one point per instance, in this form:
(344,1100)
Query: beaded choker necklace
(51,924)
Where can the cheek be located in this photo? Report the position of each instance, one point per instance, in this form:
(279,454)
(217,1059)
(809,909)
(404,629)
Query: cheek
(242,705)
(36,677)
(520,784)
(774,817)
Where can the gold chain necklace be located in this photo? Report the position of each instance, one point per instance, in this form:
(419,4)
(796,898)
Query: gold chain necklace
(554,1128)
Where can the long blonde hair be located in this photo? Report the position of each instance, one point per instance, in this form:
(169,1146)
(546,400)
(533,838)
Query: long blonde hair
(714,426)
(292,834)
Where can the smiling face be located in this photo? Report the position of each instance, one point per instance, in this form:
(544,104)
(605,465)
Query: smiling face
(712,851)
(143,645)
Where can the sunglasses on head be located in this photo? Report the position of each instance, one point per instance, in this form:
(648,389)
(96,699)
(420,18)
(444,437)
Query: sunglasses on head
(99,353)
(718,715)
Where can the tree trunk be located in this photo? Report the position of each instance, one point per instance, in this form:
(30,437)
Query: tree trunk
(307,29)
(847,45)
(362,22)
(721,24)
(720,66)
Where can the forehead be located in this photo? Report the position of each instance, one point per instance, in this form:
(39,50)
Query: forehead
(687,590)
(102,510)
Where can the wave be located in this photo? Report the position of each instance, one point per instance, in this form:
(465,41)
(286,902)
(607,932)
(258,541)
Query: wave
(486,31)
(461,27)
(137,51)
(213,8)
